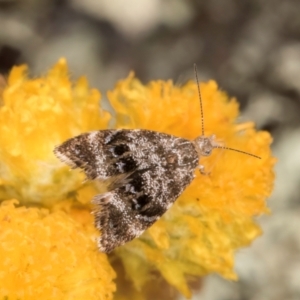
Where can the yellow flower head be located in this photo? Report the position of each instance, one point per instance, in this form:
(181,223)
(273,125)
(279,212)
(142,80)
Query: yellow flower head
(213,217)
(50,256)
(198,235)
(36,115)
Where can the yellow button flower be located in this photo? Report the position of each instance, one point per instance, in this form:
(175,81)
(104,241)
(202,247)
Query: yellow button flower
(36,115)
(51,256)
(214,216)
(198,235)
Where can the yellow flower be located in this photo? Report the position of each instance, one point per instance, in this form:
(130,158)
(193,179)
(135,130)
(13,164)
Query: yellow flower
(214,216)
(47,254)
(36,115)
(50,256)
(198,235)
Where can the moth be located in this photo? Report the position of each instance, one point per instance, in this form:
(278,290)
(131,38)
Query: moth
(146,172)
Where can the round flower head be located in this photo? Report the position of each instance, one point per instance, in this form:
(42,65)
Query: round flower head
(214,215)
(36,115)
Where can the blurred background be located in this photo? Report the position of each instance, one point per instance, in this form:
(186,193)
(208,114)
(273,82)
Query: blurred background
(251,48)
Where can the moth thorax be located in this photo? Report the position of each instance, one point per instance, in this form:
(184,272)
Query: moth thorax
(204,145)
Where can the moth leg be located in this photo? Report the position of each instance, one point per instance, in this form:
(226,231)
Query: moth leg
(202,170)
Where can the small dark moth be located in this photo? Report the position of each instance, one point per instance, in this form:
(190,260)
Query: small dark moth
(146,172)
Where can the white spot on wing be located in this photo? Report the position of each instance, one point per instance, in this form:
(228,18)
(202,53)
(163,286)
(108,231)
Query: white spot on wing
(92,137)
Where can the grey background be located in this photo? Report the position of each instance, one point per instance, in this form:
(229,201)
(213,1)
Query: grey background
(251,48)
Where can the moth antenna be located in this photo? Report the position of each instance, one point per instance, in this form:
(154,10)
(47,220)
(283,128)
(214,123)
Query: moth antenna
(200,98)
(236,150)
(202,124)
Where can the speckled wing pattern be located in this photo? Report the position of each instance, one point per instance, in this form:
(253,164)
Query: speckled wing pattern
(148,172)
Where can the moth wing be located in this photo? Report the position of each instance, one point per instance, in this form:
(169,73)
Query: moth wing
(147,172)
(86,151)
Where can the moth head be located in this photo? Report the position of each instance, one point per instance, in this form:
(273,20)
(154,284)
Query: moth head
(204,145)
